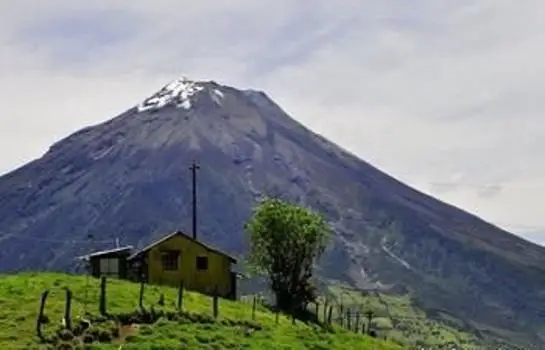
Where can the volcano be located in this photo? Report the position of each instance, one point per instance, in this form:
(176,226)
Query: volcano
(128,179)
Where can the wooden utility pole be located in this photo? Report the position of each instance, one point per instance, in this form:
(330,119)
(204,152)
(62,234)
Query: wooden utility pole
(194,167)
(89,270)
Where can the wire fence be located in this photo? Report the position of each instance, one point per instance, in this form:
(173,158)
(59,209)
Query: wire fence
(98,312)
(331,310)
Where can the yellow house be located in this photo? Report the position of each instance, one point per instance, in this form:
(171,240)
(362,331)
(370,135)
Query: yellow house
(178,258)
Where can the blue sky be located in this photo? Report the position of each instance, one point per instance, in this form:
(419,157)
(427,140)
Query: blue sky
(448,96)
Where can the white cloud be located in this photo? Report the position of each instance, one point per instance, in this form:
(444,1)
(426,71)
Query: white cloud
(445,95)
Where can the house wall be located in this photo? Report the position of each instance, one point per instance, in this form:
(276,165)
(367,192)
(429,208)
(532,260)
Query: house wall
(217,275)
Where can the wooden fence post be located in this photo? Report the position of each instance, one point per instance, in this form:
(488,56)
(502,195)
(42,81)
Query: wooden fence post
(254,305)
(41,316)
(369,318)
(357,326)
(276,310)
(181,296)
(330,313)
(215,302)
(325,311)
(341,314)
(68,309)
(348,319)
(317,311)
(102,302)
(141,299)
(293,312)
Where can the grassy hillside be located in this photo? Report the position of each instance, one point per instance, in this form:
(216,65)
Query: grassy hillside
(195,328)
(397,318)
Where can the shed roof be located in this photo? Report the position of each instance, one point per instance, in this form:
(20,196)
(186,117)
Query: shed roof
(180,233)
(105,252)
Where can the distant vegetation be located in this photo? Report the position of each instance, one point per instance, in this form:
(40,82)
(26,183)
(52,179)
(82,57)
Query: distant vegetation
(398,319)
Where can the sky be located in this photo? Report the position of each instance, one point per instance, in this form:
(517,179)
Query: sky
(446,96)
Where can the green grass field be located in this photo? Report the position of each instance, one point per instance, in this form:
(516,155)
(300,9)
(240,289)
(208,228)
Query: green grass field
(195,328)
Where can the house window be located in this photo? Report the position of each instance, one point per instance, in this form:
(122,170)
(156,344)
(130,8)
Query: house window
(109,266)
(202,263)
(169,260)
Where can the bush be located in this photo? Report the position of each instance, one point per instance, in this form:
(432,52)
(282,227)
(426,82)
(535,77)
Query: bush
(88,338)
(64,346)
(65,334)
(104,336)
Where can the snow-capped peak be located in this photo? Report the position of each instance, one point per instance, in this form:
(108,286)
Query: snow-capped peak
(176,92)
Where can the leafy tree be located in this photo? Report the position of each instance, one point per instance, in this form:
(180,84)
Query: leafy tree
(285,241)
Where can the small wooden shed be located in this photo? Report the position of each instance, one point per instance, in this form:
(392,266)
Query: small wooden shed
(110,263)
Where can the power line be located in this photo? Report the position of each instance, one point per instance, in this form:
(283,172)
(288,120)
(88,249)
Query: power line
(48,240)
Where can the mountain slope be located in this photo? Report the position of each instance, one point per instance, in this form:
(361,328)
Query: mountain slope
(128,178)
